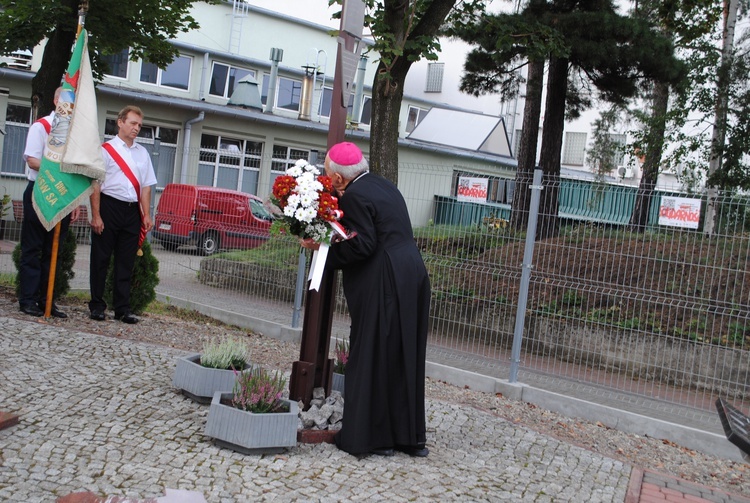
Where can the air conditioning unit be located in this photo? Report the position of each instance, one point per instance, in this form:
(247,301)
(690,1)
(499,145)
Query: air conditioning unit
(625,172)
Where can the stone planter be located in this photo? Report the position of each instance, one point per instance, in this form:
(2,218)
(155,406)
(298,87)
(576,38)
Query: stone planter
(337,383)
(250,433)
(201,383)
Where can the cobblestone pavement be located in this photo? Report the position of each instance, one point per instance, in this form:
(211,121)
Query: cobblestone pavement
(100,414)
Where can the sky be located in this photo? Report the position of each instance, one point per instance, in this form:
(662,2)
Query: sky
(318,11)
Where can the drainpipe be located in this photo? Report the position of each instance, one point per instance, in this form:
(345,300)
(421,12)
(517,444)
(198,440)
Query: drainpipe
(186,145)
(359,90)
(204,73)
(276,56)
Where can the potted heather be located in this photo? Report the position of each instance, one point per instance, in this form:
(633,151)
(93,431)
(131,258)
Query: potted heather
(254,418)
(199,376)
(341,356)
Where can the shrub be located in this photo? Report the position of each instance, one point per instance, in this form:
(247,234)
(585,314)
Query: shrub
(259,392)
(341,354)
(66,259)
(229,353)
(143,283)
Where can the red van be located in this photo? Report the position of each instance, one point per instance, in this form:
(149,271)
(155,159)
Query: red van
(210,218)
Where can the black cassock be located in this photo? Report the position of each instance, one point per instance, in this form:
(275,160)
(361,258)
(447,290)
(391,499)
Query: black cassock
(388,293)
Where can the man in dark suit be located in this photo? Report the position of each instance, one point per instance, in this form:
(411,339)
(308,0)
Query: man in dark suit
(387,290)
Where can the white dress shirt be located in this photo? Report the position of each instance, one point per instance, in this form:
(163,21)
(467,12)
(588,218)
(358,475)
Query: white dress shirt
(116,184)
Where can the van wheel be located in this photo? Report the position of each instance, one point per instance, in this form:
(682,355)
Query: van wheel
(209,243)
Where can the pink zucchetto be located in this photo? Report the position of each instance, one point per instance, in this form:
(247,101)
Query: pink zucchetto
(345,154)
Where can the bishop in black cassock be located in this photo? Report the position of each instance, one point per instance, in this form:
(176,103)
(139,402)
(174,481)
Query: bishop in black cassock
(387,290)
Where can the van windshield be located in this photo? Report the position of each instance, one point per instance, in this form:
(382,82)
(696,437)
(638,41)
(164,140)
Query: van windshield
(259,210)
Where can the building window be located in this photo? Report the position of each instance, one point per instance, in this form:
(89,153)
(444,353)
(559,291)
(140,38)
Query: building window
(325,102)
(366,115)
(288,93)
(416,115)
(176,75)
(284,157)
(17,122)
(434,82)
(224,79)
(147,137)
(230,163)
(618,144)
(574,149)
(117,64)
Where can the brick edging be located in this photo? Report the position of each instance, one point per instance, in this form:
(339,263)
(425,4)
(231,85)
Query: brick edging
(634,486)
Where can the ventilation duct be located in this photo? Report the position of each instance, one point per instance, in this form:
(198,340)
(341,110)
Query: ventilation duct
(276,56)
(246,94)
(305,106)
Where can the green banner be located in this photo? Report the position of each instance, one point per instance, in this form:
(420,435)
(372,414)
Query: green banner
(57,193)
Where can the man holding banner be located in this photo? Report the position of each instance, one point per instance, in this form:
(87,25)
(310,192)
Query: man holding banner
(36,241)
(72,156)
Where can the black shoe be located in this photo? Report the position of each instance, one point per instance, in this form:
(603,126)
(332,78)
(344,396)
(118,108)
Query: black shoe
(126,318)
(415,452)
(98,315)
(32,310)
(382,452)
(55,312)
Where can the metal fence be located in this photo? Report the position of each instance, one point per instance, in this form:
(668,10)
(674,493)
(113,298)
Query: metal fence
(655,316)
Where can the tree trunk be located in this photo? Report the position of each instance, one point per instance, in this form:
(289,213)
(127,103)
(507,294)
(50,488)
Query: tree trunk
(718,136)
(654,148)
(388,86)
(549,159)
(50,74)
(386,106)
(526,155)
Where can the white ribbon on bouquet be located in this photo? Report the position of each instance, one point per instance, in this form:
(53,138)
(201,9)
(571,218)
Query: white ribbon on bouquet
(320,255)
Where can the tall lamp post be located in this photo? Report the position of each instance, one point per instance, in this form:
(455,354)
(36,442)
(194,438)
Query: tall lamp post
(314,368)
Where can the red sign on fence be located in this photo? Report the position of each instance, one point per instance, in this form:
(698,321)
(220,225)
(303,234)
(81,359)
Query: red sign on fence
(680,212)
(472,189)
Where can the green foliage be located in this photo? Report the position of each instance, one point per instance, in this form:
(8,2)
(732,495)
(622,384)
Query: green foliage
(225,354)
(143,283)
(145,26)
(606,49)
(281,253)
(259,391)
(5,205)
(407,31)
(66,259)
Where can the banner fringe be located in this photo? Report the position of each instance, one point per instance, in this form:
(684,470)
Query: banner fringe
(50,224)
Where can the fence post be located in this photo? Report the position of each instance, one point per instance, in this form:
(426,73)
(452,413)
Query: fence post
(528,256)
(299,291)
(155,161)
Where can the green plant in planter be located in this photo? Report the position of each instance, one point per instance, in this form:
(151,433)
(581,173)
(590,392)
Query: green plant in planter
(143,283)
(226,354)
(64,273)
(259,391)
(341,355)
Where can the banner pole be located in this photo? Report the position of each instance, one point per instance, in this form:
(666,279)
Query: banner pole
(82,9)
(52,269)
